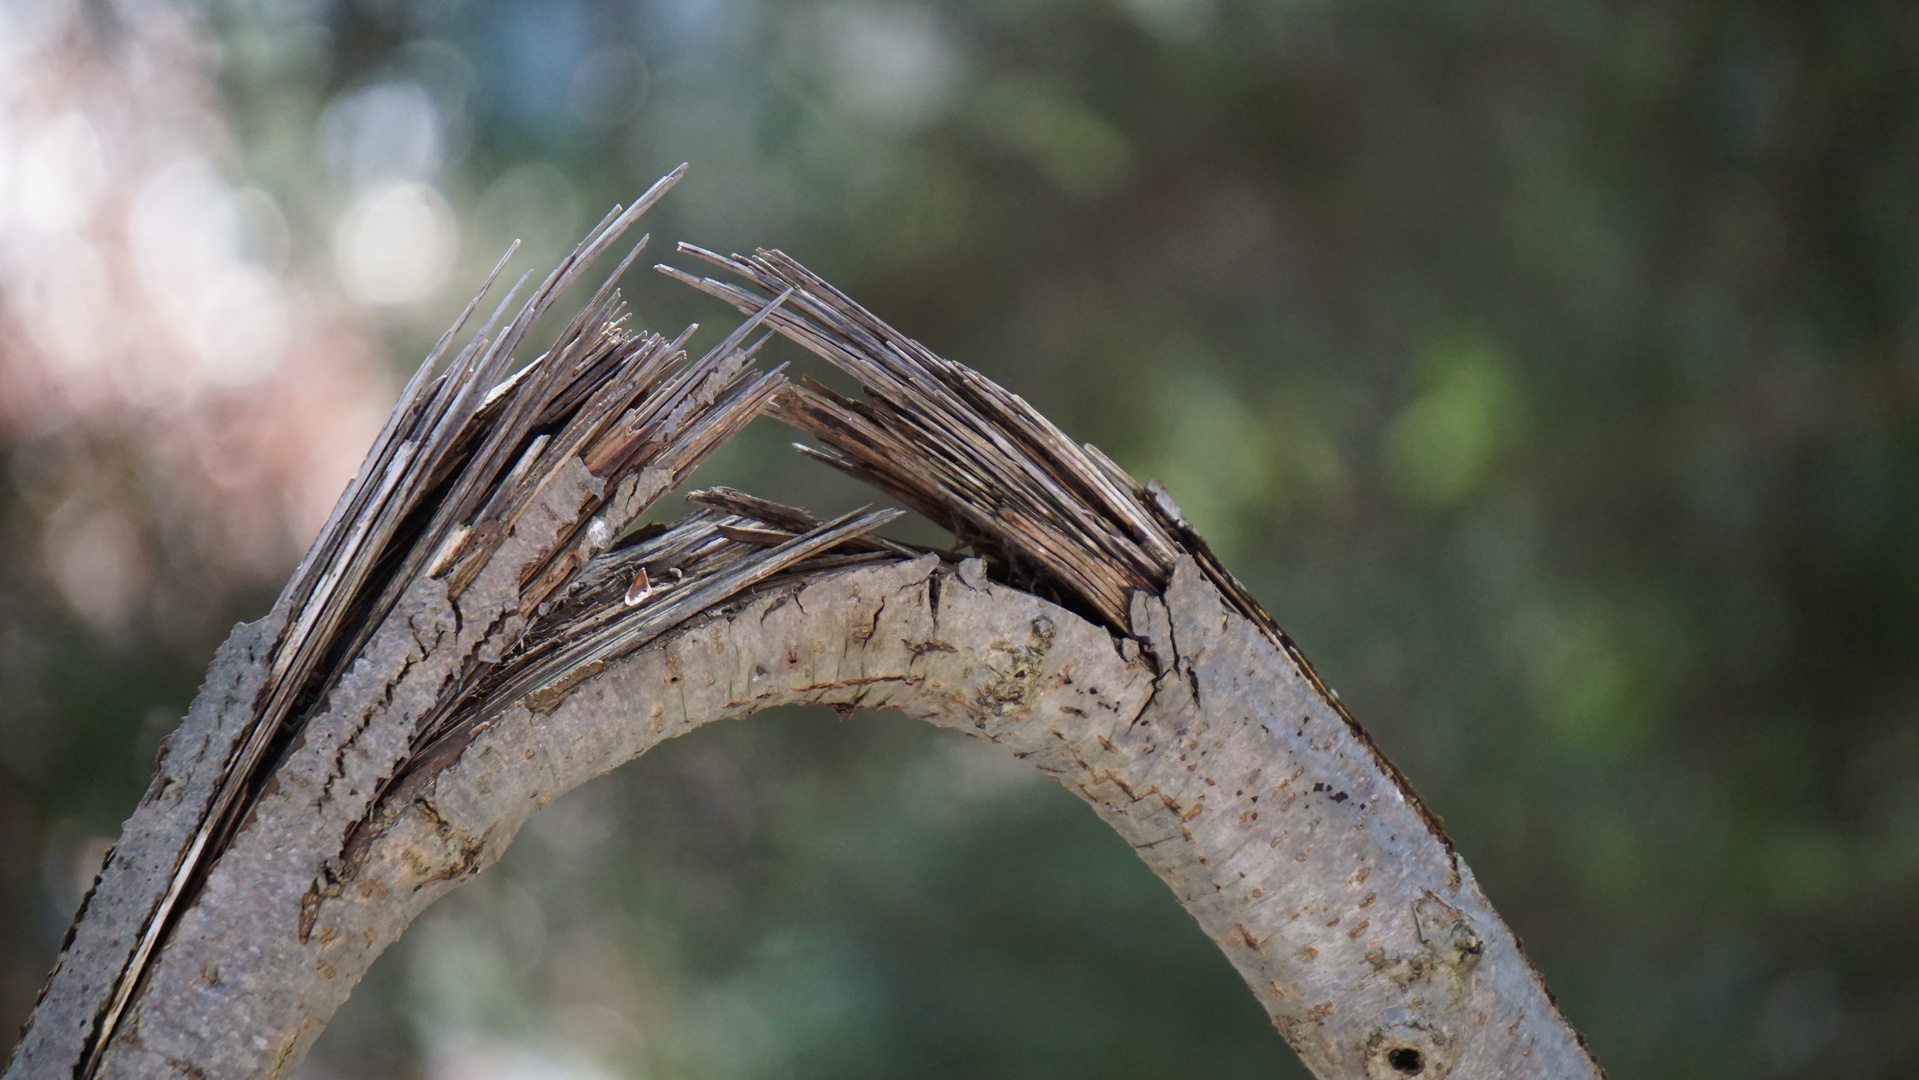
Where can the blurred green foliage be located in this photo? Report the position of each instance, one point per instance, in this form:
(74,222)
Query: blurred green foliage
(1551,371)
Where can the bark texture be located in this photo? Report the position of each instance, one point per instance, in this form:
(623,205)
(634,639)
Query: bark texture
(472,636)
(1363,935)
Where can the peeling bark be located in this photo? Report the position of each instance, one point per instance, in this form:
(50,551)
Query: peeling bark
(471,638)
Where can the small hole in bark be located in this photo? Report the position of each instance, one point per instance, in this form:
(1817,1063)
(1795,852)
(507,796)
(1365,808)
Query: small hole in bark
(1406,1060)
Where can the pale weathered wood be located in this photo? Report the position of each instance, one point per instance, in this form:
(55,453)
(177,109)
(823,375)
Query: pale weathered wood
(485,505)
(472,637)
(1361,933)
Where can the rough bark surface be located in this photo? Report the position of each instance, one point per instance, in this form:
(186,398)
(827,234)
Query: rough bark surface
(108,926)
(1362,934)
(1365,938)
(472,636)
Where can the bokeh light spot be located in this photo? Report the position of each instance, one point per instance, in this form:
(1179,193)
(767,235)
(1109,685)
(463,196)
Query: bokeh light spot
(894,66)
(388,131)
(395,244)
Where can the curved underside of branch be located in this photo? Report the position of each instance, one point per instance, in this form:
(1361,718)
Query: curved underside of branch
(1362,935)
(480,628)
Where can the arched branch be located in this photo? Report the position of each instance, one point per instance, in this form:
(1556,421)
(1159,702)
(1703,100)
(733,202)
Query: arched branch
(471,638)
(1366,940)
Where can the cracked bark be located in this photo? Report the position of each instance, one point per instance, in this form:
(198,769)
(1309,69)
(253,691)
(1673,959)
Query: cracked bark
(1097,639)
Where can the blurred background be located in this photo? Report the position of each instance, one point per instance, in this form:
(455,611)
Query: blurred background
(1551,371)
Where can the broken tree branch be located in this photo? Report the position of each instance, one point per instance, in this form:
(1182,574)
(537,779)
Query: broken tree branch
(472,635)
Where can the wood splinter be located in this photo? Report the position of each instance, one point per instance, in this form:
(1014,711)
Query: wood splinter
(480,627)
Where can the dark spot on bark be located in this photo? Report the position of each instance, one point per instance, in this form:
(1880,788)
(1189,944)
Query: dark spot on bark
(1013,683)
(1406,1060)
(1043,629)
(309,911)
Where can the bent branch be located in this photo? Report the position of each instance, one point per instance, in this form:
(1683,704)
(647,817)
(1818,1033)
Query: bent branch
(473,636)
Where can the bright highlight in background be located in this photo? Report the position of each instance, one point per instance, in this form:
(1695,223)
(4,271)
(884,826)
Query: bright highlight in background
(395,244)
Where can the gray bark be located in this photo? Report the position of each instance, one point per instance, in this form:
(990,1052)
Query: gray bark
(1362,934)
(470,639)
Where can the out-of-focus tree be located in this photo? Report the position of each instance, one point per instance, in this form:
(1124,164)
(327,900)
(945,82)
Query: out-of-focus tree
(179,406)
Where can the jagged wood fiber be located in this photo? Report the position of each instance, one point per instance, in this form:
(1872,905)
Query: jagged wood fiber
(1049,515)
(475,513)
(475,632)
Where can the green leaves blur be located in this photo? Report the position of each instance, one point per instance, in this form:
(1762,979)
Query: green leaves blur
(1442,445)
